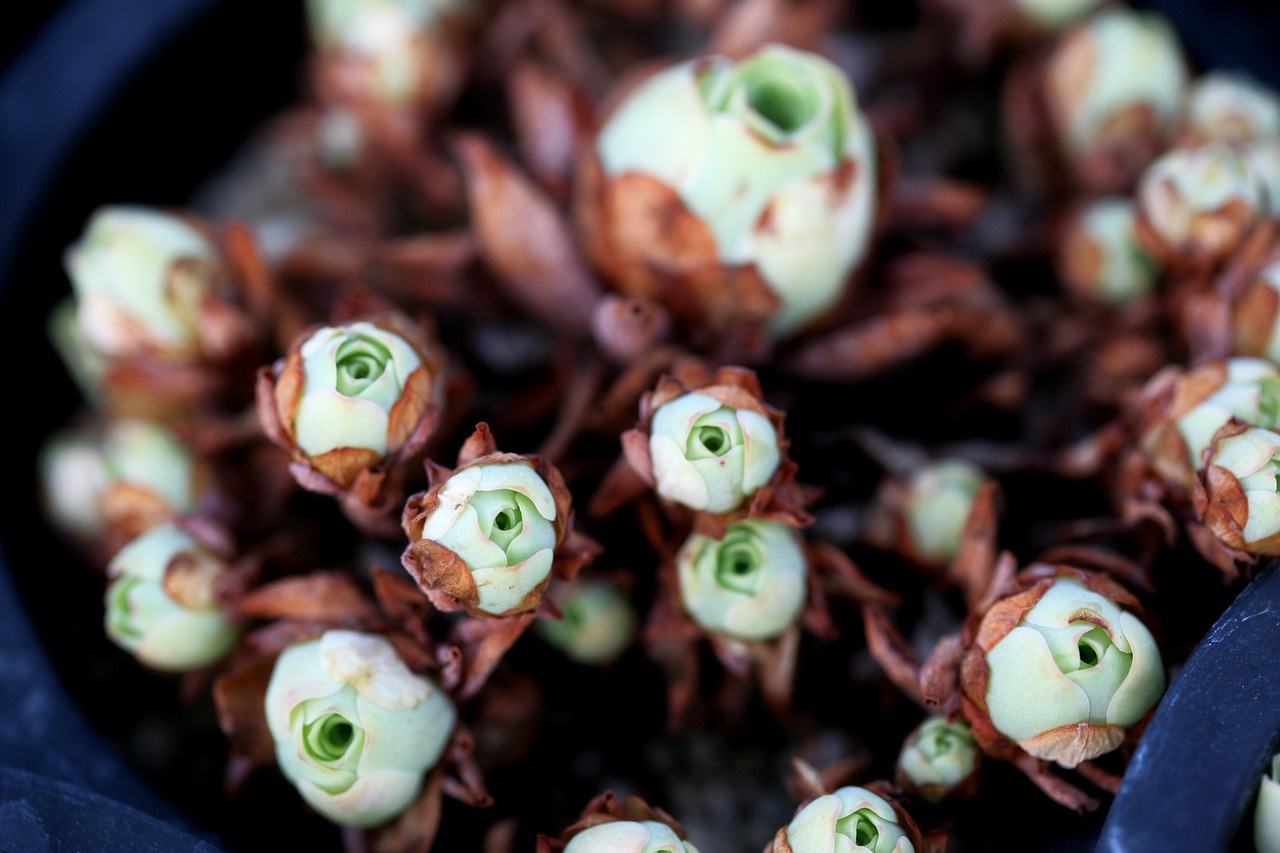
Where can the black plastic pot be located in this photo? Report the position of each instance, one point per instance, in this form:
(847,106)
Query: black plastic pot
(124,100)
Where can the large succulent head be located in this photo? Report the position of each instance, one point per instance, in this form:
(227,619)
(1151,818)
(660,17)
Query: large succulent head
(355,730)
(1062,669)
(850,820)
(750,585)
(162,603)
(487,534)
(770,169)
(139,277)
(346,398)
(710,456)
(1239,494)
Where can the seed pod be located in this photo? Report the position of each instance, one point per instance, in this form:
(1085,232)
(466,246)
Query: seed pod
(751,585)
(733,192)
(1236,492)
(1061,669)
(162,603)
(1101,261)
(355,730)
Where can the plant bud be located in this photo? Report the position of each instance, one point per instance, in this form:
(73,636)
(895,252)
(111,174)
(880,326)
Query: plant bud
(1196,205)
(938,758)
(129,476)
(733,191)
(347,398)
(1101,260)
(1238,498)
(1067,670)
(598,625)
(751,585)
(1266,814)
(502,521)
(162,602)
(1115,89)
(1231,108)
(629,836)
(394,52)
(937,505)
(355,730)
(139,278)
(709,456)
(851,820)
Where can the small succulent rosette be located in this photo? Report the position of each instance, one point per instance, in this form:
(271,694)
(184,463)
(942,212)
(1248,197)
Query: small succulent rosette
(352,404)
(1230,107)
(1062,669)
(1197,205)
(940,760)
(608,825)
(489,536)
(355,730)
(1266,810)
(923,515)
(1236,494)
(752,207)
(853,819)
(165,599)
(1101,105)
(1100,260)
(597,620)
(107,483)
(1182,410)
(159,320)
(404,55)
(708,443)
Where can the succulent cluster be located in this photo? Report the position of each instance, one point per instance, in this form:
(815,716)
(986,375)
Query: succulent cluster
(784,439)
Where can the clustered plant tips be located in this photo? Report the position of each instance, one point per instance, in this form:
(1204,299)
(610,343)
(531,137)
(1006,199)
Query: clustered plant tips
(702,425)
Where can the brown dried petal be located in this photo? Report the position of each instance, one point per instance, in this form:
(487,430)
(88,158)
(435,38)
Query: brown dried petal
(331,598)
